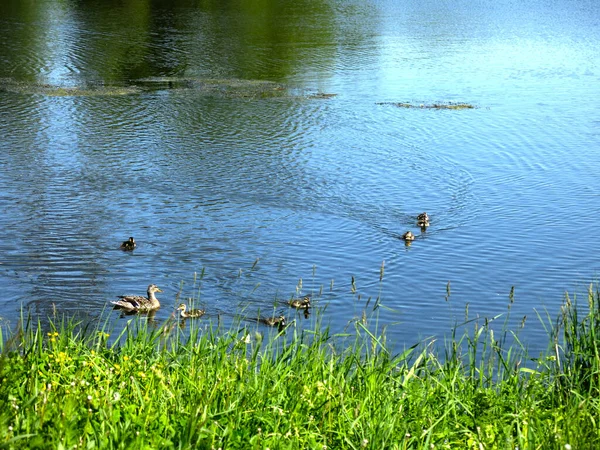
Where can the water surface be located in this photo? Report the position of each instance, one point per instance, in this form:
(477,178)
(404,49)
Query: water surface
(198,129)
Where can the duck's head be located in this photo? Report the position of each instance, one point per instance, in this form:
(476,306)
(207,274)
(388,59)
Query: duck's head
(153,288)
(131,240)
(181,307)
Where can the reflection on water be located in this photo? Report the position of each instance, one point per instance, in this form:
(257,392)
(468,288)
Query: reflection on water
(195,129)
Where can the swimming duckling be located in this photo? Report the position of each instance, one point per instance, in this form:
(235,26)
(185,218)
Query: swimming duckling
(278,322)
(423,220)
(128,245)
(190,313)
(299,303)
(408,236)
(139,303)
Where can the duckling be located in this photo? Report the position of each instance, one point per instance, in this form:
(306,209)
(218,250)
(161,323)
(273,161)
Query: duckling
(128,245)
(278,322)
(408,236)
(423,220)
(299,303)
(139,303)
(190,313)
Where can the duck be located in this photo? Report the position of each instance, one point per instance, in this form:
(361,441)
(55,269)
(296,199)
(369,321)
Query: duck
(423,220)
(128,245)
(139,303)
(298,303)
(408,236)
(278,322)
(189,313)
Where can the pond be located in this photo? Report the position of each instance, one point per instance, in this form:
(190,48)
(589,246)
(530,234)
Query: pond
(259,152)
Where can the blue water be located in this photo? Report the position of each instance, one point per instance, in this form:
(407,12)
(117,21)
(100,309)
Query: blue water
(316,189)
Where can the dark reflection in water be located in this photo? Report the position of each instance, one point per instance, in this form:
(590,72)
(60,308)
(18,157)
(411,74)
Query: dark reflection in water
(218,134)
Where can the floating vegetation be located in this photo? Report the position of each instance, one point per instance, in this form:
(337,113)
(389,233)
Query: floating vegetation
(449,105)
(227,88)
(321,95)
(50,90)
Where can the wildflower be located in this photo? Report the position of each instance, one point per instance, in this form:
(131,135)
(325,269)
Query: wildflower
(278,409)
(10,428)
(364,443)
(125,358)
(89,397)
(567,447)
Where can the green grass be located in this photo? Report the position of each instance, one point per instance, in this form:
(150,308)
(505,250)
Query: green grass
(75,387)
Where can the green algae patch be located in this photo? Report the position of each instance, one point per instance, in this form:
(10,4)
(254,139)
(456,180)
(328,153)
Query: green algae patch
(321,96)
(50,90)
(225,87)
(449,105)
(211,87)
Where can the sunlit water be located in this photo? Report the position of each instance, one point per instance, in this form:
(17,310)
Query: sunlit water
(317,189)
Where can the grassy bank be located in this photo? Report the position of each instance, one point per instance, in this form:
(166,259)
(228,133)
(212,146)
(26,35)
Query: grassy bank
(161,388)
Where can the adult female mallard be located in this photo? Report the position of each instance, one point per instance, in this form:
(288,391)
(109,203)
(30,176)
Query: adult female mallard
(139,303)
(423,220)
(299,303)
(189,313)
(408,236)
(128,245)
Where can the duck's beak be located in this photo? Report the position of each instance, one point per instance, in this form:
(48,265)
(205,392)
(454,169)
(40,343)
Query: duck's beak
(158,289)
